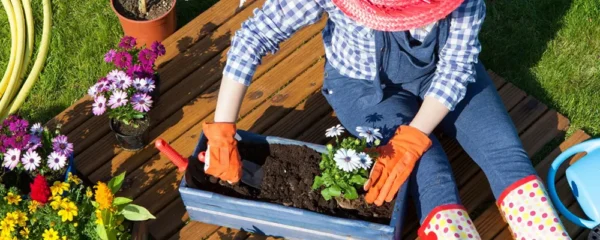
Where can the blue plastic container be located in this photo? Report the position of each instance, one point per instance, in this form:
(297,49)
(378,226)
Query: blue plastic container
(278,220)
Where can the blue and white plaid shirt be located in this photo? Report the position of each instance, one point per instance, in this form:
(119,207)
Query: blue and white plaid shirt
(351,47)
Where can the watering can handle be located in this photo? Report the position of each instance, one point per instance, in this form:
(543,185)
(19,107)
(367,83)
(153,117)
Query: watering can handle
(586,146)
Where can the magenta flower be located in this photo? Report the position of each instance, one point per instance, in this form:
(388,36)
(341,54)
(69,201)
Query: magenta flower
(158,48)
(18,125)
(135,70)
(118,99)
(123,60)
(61,145)
(123,82)
(34,142)
(147,57)
(18,141)
(127,42)
(110,56)
(141,102)
(3,144)
(99,106)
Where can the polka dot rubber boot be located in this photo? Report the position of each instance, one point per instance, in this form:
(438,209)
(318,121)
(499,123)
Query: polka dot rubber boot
(448,222)
(526,206)
(594,233)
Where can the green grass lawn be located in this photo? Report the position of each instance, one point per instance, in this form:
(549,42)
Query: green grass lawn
(549,48)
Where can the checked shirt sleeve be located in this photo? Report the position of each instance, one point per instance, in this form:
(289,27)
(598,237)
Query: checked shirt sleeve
(275,22)
(459,55)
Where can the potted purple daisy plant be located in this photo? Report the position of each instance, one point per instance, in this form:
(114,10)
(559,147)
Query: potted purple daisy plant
(30,150)
(126,93)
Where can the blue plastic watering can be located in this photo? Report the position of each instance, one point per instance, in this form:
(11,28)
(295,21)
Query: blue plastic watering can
(584,179)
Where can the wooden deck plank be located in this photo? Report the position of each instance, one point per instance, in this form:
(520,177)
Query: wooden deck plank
(195,230)
(176,214)
(201,107)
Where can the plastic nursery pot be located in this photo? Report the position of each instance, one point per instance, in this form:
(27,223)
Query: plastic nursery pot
(131,142)
(148,31)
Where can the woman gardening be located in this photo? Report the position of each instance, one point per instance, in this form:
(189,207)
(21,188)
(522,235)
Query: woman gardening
(405,67)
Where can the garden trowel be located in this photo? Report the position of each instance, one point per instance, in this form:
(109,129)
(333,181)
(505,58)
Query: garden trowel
(252,173)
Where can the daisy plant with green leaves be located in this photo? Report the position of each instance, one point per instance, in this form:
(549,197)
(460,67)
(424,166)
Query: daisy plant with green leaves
(345,166)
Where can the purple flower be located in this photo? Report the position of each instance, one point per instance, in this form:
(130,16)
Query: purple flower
(127,42)
(99,106)
(150,86)
(18,141)
(147,57)
(141,102)
(34,142)
(112,75)
(31,160)
(145,85)
(36,129)
(123,82)
(118,99)
(56,161)
(61,145)
(110,56)
(102,86)
(123,60)
(158,48)
(18,125)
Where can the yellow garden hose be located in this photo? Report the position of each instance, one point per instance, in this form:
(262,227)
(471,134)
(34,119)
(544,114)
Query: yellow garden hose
(30,34)
(16,71)
(13,48)
(39,61)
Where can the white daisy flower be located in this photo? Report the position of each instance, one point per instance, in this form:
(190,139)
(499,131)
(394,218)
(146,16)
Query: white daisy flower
(346,159)
(31,160)
(334,131)
(365,160)
(56,161)
(369,133)
(11,158)
(37,129)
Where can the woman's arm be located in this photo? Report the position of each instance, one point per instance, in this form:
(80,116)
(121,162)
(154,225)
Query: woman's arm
(430,115)
(230,99)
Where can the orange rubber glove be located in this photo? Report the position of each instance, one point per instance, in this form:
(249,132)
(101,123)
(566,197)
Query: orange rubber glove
(395,163)
(222,158)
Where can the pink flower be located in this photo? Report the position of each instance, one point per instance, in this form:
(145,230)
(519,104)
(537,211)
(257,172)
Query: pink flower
(112,75)
(11,158)
(110,56)
(61,145)
(158,48)
(123,60)
(93,90)
(99,106)
(102,86)
(123,81)
(127,42)
(147,57)
(118,99)
(141,102)
(31,160)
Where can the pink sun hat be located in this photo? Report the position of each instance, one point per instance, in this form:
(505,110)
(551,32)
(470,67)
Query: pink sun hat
(396,15)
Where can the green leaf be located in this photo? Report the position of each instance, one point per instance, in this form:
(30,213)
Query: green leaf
(138,116)
(327,180)
(116,183)
(335,191)
(95,204)
(358,180)
(121,200)
(134,212)
(325,194)
(317,183)
(101,231)
(350,193)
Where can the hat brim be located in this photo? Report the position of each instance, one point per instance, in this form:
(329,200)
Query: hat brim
(410,17)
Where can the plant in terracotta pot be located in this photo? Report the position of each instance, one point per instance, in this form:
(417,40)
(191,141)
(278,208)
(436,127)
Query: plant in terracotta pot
(126,93)
(147,20)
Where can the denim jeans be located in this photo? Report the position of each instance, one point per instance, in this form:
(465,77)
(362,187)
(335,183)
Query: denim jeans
(480,123)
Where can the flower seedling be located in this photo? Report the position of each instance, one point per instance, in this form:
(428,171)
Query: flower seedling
(125,92)
(344,167)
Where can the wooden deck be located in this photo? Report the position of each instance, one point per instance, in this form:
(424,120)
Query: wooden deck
(284,100)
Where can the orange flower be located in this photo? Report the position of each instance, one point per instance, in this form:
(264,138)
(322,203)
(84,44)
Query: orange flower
(104,196)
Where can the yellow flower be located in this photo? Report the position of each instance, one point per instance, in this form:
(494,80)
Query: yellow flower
(12,218)
(89,193)
(33,206)
(104,196)
(99,217)
(25,232)
(6,226)
(5,234)
(64,238)
(22,218)
(56,201)
(59,187)
(68,211)
(74,179)
(50,234)
(75,224)
(12,198)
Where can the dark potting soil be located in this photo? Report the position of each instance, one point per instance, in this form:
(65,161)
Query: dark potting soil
(155,8)
(130,130)
(289,172)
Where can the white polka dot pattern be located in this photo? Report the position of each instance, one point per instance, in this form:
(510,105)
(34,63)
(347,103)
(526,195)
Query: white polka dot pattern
(529,213)
(448,224)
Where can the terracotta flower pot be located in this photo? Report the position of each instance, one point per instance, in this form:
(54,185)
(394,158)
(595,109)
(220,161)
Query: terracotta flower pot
(148,31)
